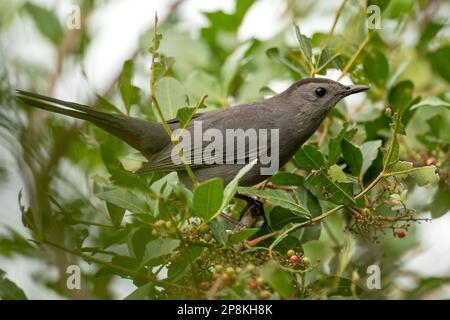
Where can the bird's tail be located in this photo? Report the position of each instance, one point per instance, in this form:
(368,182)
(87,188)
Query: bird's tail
(135,132)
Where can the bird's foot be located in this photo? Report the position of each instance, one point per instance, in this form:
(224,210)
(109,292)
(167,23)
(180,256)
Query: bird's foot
(252,211)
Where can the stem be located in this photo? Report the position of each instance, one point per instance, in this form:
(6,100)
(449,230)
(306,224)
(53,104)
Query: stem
(113,266)
(158,107)
(390,174)
(96,224)
(355,55)
(327,39)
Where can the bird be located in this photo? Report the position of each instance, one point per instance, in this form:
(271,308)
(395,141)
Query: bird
(295,113)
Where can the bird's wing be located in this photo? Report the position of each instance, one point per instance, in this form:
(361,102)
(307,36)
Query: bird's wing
(220,119)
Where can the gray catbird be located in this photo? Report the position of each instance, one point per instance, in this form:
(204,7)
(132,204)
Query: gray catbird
(296,112)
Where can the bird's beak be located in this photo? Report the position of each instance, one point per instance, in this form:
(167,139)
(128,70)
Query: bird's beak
(354,89)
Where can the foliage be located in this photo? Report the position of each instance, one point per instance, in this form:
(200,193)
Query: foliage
(348,187)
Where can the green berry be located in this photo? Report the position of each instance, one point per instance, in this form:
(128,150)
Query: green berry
(169,224)
(306,261)
(204,228)
(290,253)
(218,268)
(264,294)
(230,271)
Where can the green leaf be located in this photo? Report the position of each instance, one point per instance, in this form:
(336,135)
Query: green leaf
(281,218)
(425,175)
(125,199)
(219,229)
(369,150)
(309,157)
(304,43)
(104,104)
(46,21)
(278,279)
(334,144)
(440,203)
(439,61)
(277,197)
(382,4)
(232,63)
(275,55)
(115,213)
(208,198)
(327,189)
(163,66)
(401,166)
(432,102)
(337,174)
(230,189)
(200,83)
(141,293)
(181,264)
(129,93)
(401,95)
(160,247)
(241,235)
(171,96)
(286,179)
(376,67)
(184,115)
(352,156)
(333,286)
(9,290)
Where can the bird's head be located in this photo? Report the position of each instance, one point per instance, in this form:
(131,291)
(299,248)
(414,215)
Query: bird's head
(319,95)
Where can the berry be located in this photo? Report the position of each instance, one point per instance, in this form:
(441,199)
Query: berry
(400,234)
(155,233)
(306,261)
(290,253)
(253,285)
(159,223)
(250,267)
(203,228)
(294,258)
(169,225)
(260,280)
(238,270)
(227,280)
(216,276)
(230,271)
(264,294)
(219,268)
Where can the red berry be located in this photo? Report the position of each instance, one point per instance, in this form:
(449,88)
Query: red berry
(216,276)
(400,234)
(253,285)
(294,258)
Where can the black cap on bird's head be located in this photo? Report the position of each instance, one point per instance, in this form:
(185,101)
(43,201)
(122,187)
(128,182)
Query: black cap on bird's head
(321,93)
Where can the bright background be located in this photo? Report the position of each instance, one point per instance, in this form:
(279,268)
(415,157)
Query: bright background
(118,25)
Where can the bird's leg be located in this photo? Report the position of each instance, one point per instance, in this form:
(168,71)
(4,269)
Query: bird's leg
(251,212)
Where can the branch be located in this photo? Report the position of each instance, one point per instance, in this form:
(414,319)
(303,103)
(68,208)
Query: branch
(113,266)
(158,107)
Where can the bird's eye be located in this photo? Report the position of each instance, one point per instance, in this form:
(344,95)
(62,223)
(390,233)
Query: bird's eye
(320,92)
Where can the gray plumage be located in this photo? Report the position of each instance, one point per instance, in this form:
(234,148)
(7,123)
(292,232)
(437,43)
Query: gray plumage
(297,112)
